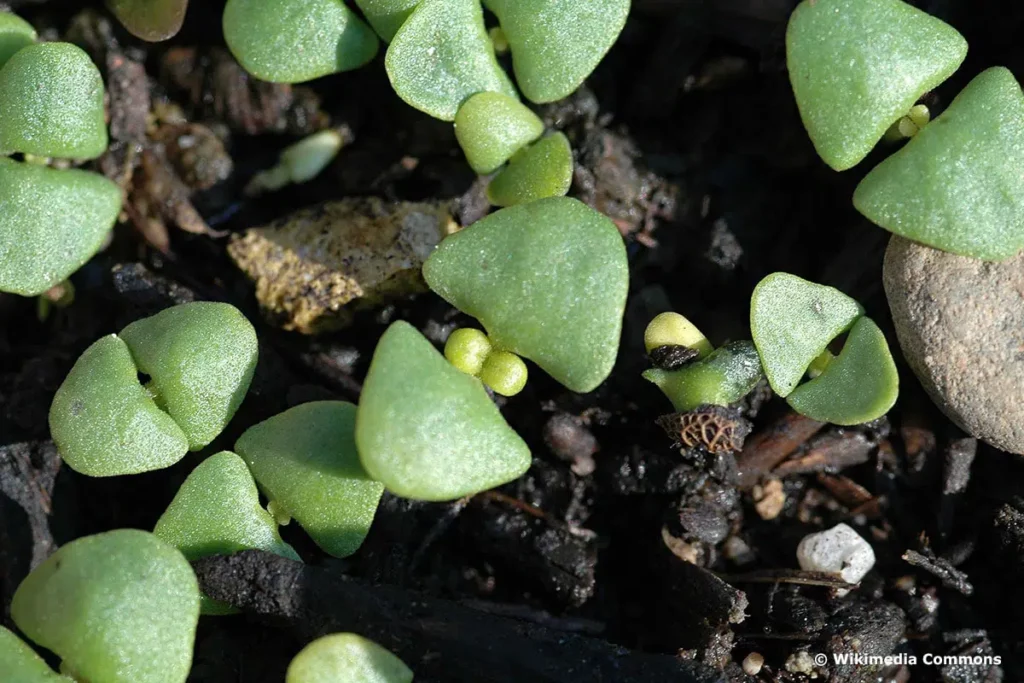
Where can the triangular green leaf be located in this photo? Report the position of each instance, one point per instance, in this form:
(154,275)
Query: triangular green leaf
(442,55)
(556,44)
(51,223)
(856,66)
(346,657)
(15,33)
(387,16)
(201,357)
(151,20)
(21,664)
(859,386)
(792,322)
(544,169)
(298,40)
(491,127)
(547,279)
(724,377)
(958,185)
(51,103)
(429,431)
(305,461)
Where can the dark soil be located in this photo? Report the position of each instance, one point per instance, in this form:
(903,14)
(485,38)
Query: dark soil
(621,555)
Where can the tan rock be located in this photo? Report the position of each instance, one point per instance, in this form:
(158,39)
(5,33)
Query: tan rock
(314,268)
(960,322)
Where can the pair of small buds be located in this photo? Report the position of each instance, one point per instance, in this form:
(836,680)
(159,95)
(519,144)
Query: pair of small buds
(472,352)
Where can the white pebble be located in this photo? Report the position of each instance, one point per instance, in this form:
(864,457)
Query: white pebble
(839,550)
(752,663)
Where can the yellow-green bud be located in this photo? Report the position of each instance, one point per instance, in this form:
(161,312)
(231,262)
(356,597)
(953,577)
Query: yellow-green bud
(672,329)
(467,349)
(504,372)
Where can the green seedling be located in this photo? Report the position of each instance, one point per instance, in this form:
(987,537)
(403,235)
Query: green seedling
(442,56)
(51,103)
(556,44)
(387,16)
(299,163)
(548,281)
(15,33)
(41,208)
(217,512)
(305,461)
(200,358)
(672,329)
(957,184)
(117,607)
(151,20)
(428,431)
(543,169)
(21,664)
(856,66)
(472,352)
(491,127)
(298,40)
(346,657)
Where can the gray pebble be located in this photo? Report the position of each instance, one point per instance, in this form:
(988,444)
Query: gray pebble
(960,322)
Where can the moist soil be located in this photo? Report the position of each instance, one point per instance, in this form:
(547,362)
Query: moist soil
(630,551)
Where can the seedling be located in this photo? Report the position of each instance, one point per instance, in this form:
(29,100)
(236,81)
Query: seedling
(305,461)
(472,352)
(117,607)
(543,169)
(20,663)
(199,357)
(152,20)
(346,657)
(547,280)
(491,127)
(427,430)
(793,321)
(217,512)
(298,40)
(299,163)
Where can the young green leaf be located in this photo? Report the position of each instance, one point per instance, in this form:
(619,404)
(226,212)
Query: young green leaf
(427,430)
(201,357)
(792,322)
(957,185)
(298,40)
(672,329)
(105,424)
(51,103)
(117,607)
(305,461)
(51,223)
(442,55)
(467,349)
(346,657)
(15,33)
(491,127)
(856,66)
(217,512)
(725,376)
(151,20)
(544,169)
(547,280)
(387,16)
(860,385)
(556,44)
(21,664)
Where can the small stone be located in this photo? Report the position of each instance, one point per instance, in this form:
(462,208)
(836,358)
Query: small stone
(770,499)
(960,322)
(752,663)
(839,550)
(313,268)
(800,663)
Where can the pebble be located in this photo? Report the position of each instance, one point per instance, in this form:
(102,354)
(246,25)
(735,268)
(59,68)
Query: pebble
(752,663)
(839,550)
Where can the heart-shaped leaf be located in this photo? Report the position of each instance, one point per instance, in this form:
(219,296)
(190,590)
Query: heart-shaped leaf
(856,66)
(387,16)
(957,185)
(544,169)
(792,322)
(442,55)
(51,223)
(201,357)
(859,386)
(556,44)
(152,20)
(117,607)
(217,512)
(548,280)
(21,664)
(491,127)
(305,461)
(51,103)
(15,33)
(727,375)
(346,657)
(105,424)
(429,431)
(298,40)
